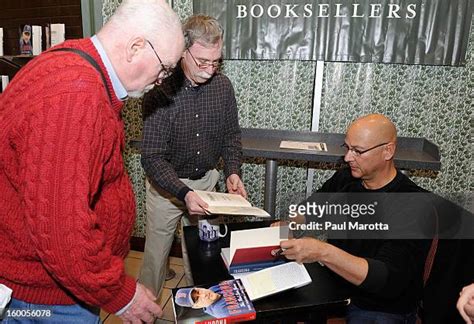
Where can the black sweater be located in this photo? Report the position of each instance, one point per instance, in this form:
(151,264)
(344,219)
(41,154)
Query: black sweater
(394,282)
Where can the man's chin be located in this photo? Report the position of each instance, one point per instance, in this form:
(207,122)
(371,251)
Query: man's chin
(356,173)
(201,79)
(140,93)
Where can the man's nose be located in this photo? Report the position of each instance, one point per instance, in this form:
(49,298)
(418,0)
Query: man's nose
(349,156)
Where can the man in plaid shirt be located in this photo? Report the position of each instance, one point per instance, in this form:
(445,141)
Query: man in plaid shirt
(190,122)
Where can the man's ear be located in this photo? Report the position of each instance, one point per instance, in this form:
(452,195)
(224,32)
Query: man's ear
(389,151)
(134,45)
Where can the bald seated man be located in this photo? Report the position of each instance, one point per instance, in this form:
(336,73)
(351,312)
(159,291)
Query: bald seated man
(387,273)
(66,203)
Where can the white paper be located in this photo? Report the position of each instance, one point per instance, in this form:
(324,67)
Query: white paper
(306,146)
(5,296)
(273,280)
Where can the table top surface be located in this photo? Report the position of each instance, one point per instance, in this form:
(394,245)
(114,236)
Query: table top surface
(412,152)
(327,289)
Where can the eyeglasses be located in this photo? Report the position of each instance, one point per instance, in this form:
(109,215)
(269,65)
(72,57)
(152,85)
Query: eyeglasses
(166,71)
(357,152)
(215,65)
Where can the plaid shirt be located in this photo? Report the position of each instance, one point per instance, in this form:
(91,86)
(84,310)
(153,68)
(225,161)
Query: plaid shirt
(187,129)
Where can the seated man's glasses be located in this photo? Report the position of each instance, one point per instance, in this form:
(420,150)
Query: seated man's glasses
(358,152)
(215,65)
(166,71)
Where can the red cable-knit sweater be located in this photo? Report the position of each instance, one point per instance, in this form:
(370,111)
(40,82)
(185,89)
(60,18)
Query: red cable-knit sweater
(66,203)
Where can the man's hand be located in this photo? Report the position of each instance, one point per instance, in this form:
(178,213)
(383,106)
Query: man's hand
(465,304)
(304,250)
(235,185)
(143,307)
(194,204)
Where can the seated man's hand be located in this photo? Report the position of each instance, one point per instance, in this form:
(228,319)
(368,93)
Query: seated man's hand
(194,204)
(304,250)
(143,307)
(465,304)
(235,185)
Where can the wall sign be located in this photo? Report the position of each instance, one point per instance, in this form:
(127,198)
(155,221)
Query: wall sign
(389,31)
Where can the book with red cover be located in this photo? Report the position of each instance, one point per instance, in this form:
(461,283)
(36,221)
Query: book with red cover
(225,302)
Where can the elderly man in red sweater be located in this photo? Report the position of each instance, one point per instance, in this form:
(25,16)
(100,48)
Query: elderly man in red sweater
(66,203)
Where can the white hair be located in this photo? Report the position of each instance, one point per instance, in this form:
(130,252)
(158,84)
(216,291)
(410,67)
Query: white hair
(150,18)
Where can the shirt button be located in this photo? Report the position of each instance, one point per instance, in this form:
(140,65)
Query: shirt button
(197,169)
(197,134)
(198,152)
(197,115)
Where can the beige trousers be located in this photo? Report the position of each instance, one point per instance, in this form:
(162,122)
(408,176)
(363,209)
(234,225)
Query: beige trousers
(163,213)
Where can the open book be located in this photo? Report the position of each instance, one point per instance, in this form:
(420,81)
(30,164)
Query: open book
(254,249)
(229,204)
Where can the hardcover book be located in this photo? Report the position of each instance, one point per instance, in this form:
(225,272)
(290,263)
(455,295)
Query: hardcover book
(225,302)
(229,204)
(254,249)
(251,259)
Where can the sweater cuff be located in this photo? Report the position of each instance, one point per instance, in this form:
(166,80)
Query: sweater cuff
(123,297)
(183,192)
(376,276)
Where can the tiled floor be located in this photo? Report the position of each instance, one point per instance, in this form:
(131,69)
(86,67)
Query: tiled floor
(133,262)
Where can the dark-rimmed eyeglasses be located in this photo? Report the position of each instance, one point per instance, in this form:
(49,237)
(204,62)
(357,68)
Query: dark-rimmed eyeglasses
(357,152)
(215,65)
(166,71)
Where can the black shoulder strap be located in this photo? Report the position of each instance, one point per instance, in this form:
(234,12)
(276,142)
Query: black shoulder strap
(89,59)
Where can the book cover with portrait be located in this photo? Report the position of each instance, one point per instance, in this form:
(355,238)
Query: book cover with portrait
(30,39)
(226,301)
